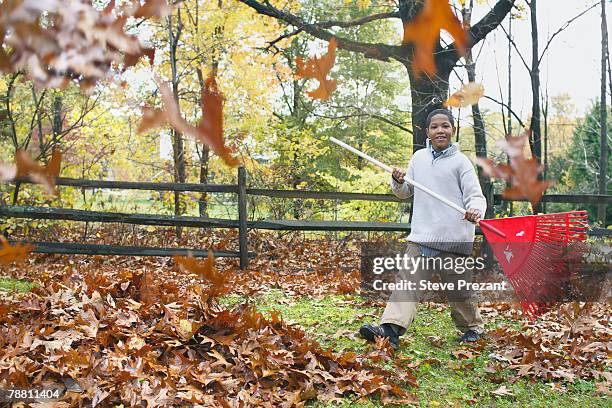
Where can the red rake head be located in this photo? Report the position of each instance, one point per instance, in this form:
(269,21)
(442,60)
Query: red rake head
(534,254)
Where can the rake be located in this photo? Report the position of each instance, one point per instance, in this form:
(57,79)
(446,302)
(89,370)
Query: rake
(532,250)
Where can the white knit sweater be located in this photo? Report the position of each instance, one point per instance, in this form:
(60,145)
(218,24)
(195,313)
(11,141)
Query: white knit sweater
(451,175)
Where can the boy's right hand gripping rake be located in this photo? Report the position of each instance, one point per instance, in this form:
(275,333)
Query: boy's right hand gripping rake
(534,251)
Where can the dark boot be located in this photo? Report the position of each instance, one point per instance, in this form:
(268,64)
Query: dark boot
(370,332)
(469,336)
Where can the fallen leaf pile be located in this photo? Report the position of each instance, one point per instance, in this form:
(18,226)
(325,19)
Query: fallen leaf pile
(140,308)
(572,342)
(521,172)
(318,68)
(59,41)
(424,32)
(130,339)
(297,266)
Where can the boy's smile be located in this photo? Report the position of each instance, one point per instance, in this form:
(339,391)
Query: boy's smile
(440,132)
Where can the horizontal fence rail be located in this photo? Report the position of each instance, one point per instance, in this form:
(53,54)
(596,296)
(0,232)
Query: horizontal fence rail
(50,213)
(303,194)
(242,224)
(135,185)
(97,249)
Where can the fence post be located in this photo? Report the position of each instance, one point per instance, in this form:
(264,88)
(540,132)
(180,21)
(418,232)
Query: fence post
(242,218)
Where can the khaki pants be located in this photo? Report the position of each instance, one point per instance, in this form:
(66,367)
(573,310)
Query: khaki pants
(402,305)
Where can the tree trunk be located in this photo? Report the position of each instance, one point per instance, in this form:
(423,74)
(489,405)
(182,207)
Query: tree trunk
(509,130)
(57,119)
(603,128)
(536,146)
(13,129)
(204,156)
(178,148)
(38,113)
(545,117)
(480,136)
(426,95)
(535,127)
(298,203)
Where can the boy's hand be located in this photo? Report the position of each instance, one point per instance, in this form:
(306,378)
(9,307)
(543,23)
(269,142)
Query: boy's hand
(472,215)
(398,175)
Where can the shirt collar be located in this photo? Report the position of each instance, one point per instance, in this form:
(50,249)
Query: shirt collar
(440,153)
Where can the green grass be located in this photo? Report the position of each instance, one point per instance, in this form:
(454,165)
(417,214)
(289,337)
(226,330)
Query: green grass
(15,285)
(333,321)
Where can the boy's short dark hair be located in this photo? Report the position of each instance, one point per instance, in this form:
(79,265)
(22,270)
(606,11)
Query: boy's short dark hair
(439,112)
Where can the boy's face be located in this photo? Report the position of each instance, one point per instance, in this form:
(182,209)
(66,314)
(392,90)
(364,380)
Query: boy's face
(440,131)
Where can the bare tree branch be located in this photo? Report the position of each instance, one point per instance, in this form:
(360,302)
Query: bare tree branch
(378,51)
(509,37)
(490,21)
(563,27)
(282,37)
(448,56)
(359,21)
(507,107)
(365,114)
(486,24)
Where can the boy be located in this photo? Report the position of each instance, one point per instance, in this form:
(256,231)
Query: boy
(437,230)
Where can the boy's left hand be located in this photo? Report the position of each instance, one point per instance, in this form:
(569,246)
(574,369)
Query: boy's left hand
(472,215)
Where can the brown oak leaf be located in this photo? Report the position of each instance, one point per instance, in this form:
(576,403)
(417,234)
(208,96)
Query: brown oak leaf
(205,270)
(318,68)
(26,167)
(468,95)
(424,32)
(208,131)
(522,173)
(13,253)
(58,41)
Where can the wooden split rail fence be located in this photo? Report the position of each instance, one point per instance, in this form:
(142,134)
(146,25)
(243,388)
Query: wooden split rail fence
(242,223)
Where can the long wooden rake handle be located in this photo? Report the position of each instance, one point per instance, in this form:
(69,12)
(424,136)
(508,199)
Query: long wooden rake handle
(409,181)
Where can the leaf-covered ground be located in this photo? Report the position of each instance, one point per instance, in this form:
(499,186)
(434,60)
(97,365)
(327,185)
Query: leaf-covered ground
(143,332)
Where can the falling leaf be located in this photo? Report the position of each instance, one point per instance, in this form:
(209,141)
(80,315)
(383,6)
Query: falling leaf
(26,167)
(151,8)
(210,129)
(151,119)
(206,271)
(13,253)
(58,41)
(424,32)
(521,173)
(318,68)
(468,95)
